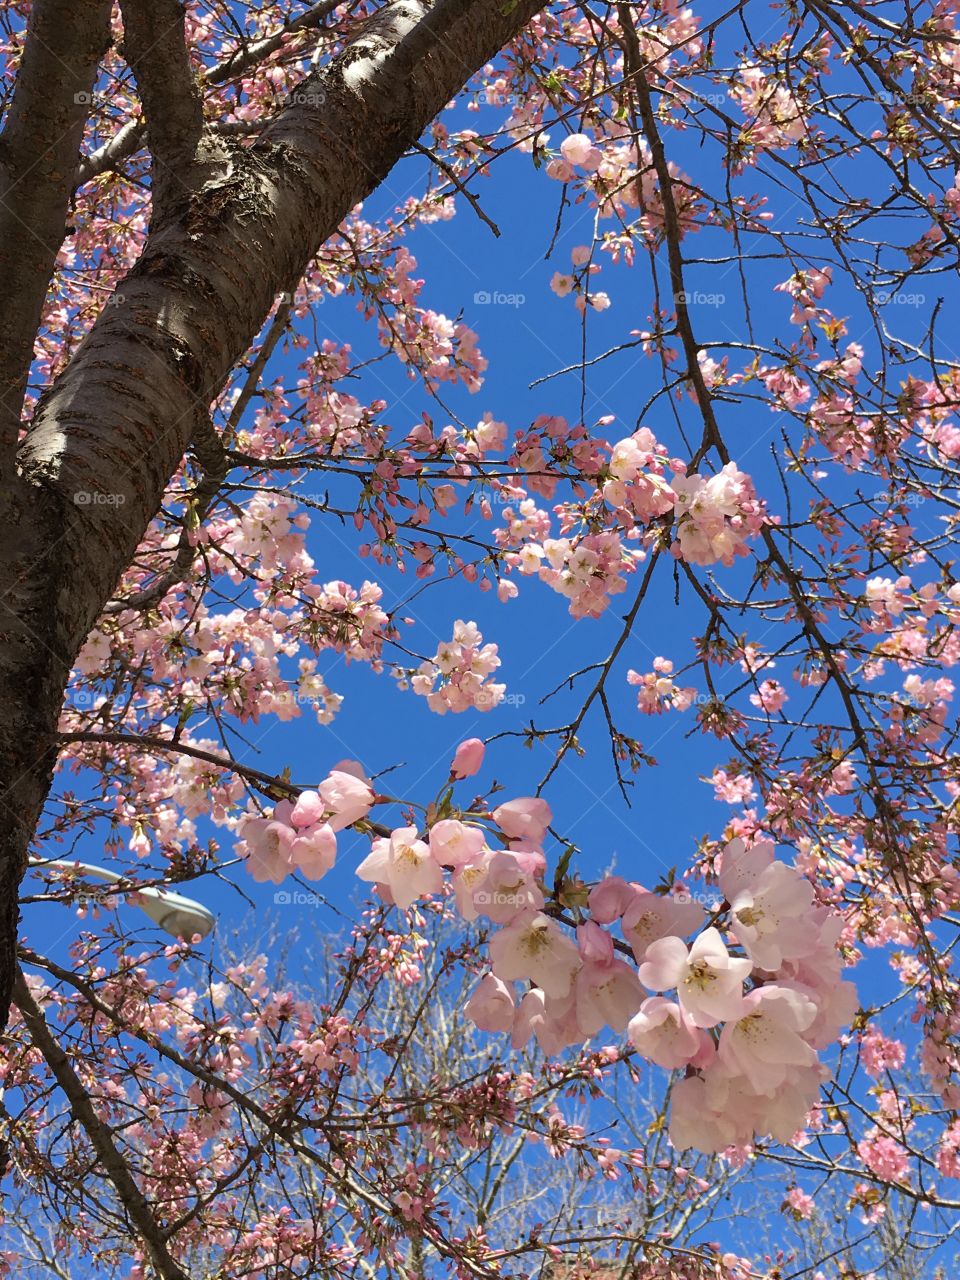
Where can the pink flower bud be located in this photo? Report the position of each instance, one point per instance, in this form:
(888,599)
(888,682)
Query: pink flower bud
(467,759)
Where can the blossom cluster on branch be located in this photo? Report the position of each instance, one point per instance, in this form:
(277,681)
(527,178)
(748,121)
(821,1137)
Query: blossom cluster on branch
(744,1015)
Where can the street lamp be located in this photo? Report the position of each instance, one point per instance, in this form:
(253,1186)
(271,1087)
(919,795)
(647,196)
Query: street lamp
(175,914)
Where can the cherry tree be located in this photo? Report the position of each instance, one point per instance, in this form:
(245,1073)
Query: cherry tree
(753,217)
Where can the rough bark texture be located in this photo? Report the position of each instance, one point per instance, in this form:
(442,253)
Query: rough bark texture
(155,49)
(38,154)
(237,227)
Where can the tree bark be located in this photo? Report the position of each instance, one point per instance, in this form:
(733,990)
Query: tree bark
(237,227)
(65,41)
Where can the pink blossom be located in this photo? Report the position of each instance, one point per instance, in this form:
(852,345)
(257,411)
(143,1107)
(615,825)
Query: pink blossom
(764,1044)
(559,169)
(524,819)
(456,677)
(948,1154)
(818,977)
(595,944)
(740,867)
(799,1203)
(347,797)
(310,808)
(507,889)
(404,864)
(885,1157)
(694,1122)
(454,843)
(552,1021)
(267,846)
(770,696)
(771,919)
(708,979)
(663,1034)
(467,880)
(659,693)
(491,1006)
(607,989)
(718,1108)
(607,994)
(535,947)
(579,150)
(880,1054)
(610,898)
(314,850)
(467,758)
(716,517)
(653,915)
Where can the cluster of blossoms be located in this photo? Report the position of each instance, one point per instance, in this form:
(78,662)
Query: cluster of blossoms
(742,1009)
(716,516)
(351,621)
(750,1055)
(658,692)
(577,281)
(617,173)
(806,288)
(587,570)
(776,117)
(637,484)
(301,835)
(446,350)
(461,666)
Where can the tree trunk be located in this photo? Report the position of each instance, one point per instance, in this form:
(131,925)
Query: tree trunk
(238,226)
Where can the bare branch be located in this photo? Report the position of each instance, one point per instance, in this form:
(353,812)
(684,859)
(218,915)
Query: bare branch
(114,1165)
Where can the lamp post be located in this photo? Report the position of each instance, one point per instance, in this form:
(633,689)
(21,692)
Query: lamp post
(175,914)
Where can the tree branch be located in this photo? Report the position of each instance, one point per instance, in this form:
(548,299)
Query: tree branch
(38,152)
(213,459)
(128,139)
(101,1139)
(154,45)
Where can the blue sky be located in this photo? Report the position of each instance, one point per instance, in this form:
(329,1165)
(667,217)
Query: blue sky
(526,333)
(540,644)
